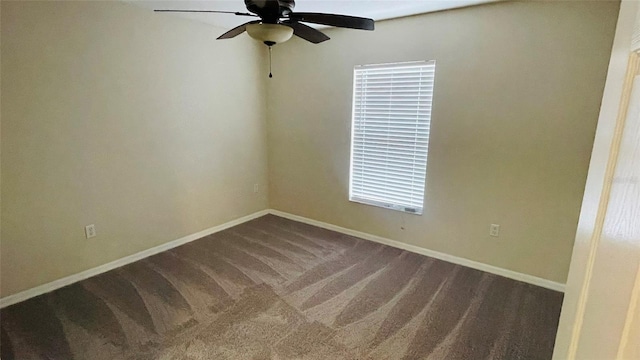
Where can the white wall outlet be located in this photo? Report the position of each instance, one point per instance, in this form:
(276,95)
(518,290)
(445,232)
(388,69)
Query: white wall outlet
(90,231)
(255,188)
(494,230)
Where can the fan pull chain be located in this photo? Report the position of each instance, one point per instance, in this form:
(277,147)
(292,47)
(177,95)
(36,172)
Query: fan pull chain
(270,75)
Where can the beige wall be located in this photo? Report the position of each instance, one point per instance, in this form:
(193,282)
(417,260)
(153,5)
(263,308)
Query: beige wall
(139,123)
(146,126)
(517,92)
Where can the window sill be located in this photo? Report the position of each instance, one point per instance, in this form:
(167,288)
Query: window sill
(404,209)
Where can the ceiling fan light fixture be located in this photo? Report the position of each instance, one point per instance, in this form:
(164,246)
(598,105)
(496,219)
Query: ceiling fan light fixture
(269,33)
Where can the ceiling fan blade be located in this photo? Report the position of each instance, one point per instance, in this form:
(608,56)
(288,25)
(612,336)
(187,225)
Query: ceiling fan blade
(205,11)
(236,31)
(306,32)
(345,21)
(268,10)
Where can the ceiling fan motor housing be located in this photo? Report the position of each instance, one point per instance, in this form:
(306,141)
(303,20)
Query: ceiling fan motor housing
(286,6)
(270,11)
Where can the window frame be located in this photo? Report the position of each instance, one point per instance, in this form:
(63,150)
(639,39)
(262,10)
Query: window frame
(387,204)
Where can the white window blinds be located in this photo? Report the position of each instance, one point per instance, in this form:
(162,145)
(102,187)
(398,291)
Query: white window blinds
(390,134)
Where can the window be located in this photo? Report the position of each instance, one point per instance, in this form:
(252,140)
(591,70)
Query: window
(390,134)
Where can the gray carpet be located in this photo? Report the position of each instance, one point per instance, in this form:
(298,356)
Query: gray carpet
(277,289)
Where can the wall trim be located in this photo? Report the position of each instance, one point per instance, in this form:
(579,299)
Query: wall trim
(56,284)
(530,279)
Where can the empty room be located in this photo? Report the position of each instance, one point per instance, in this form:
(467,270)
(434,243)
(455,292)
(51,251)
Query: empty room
(280,179)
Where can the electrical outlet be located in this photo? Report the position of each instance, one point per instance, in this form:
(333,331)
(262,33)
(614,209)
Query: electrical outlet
(494,230)
(255,188)
(90,231)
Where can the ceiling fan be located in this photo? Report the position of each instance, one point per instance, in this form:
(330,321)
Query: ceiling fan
(278,22)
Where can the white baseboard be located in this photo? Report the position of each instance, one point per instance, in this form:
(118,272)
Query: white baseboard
(530,279)
(56,284)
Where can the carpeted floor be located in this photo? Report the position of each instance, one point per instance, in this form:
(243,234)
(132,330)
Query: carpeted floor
(277,289)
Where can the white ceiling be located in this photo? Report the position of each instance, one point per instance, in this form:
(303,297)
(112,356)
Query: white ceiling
(375,9)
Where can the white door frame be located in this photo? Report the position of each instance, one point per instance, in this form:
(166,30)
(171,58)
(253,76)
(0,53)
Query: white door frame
(599,304)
